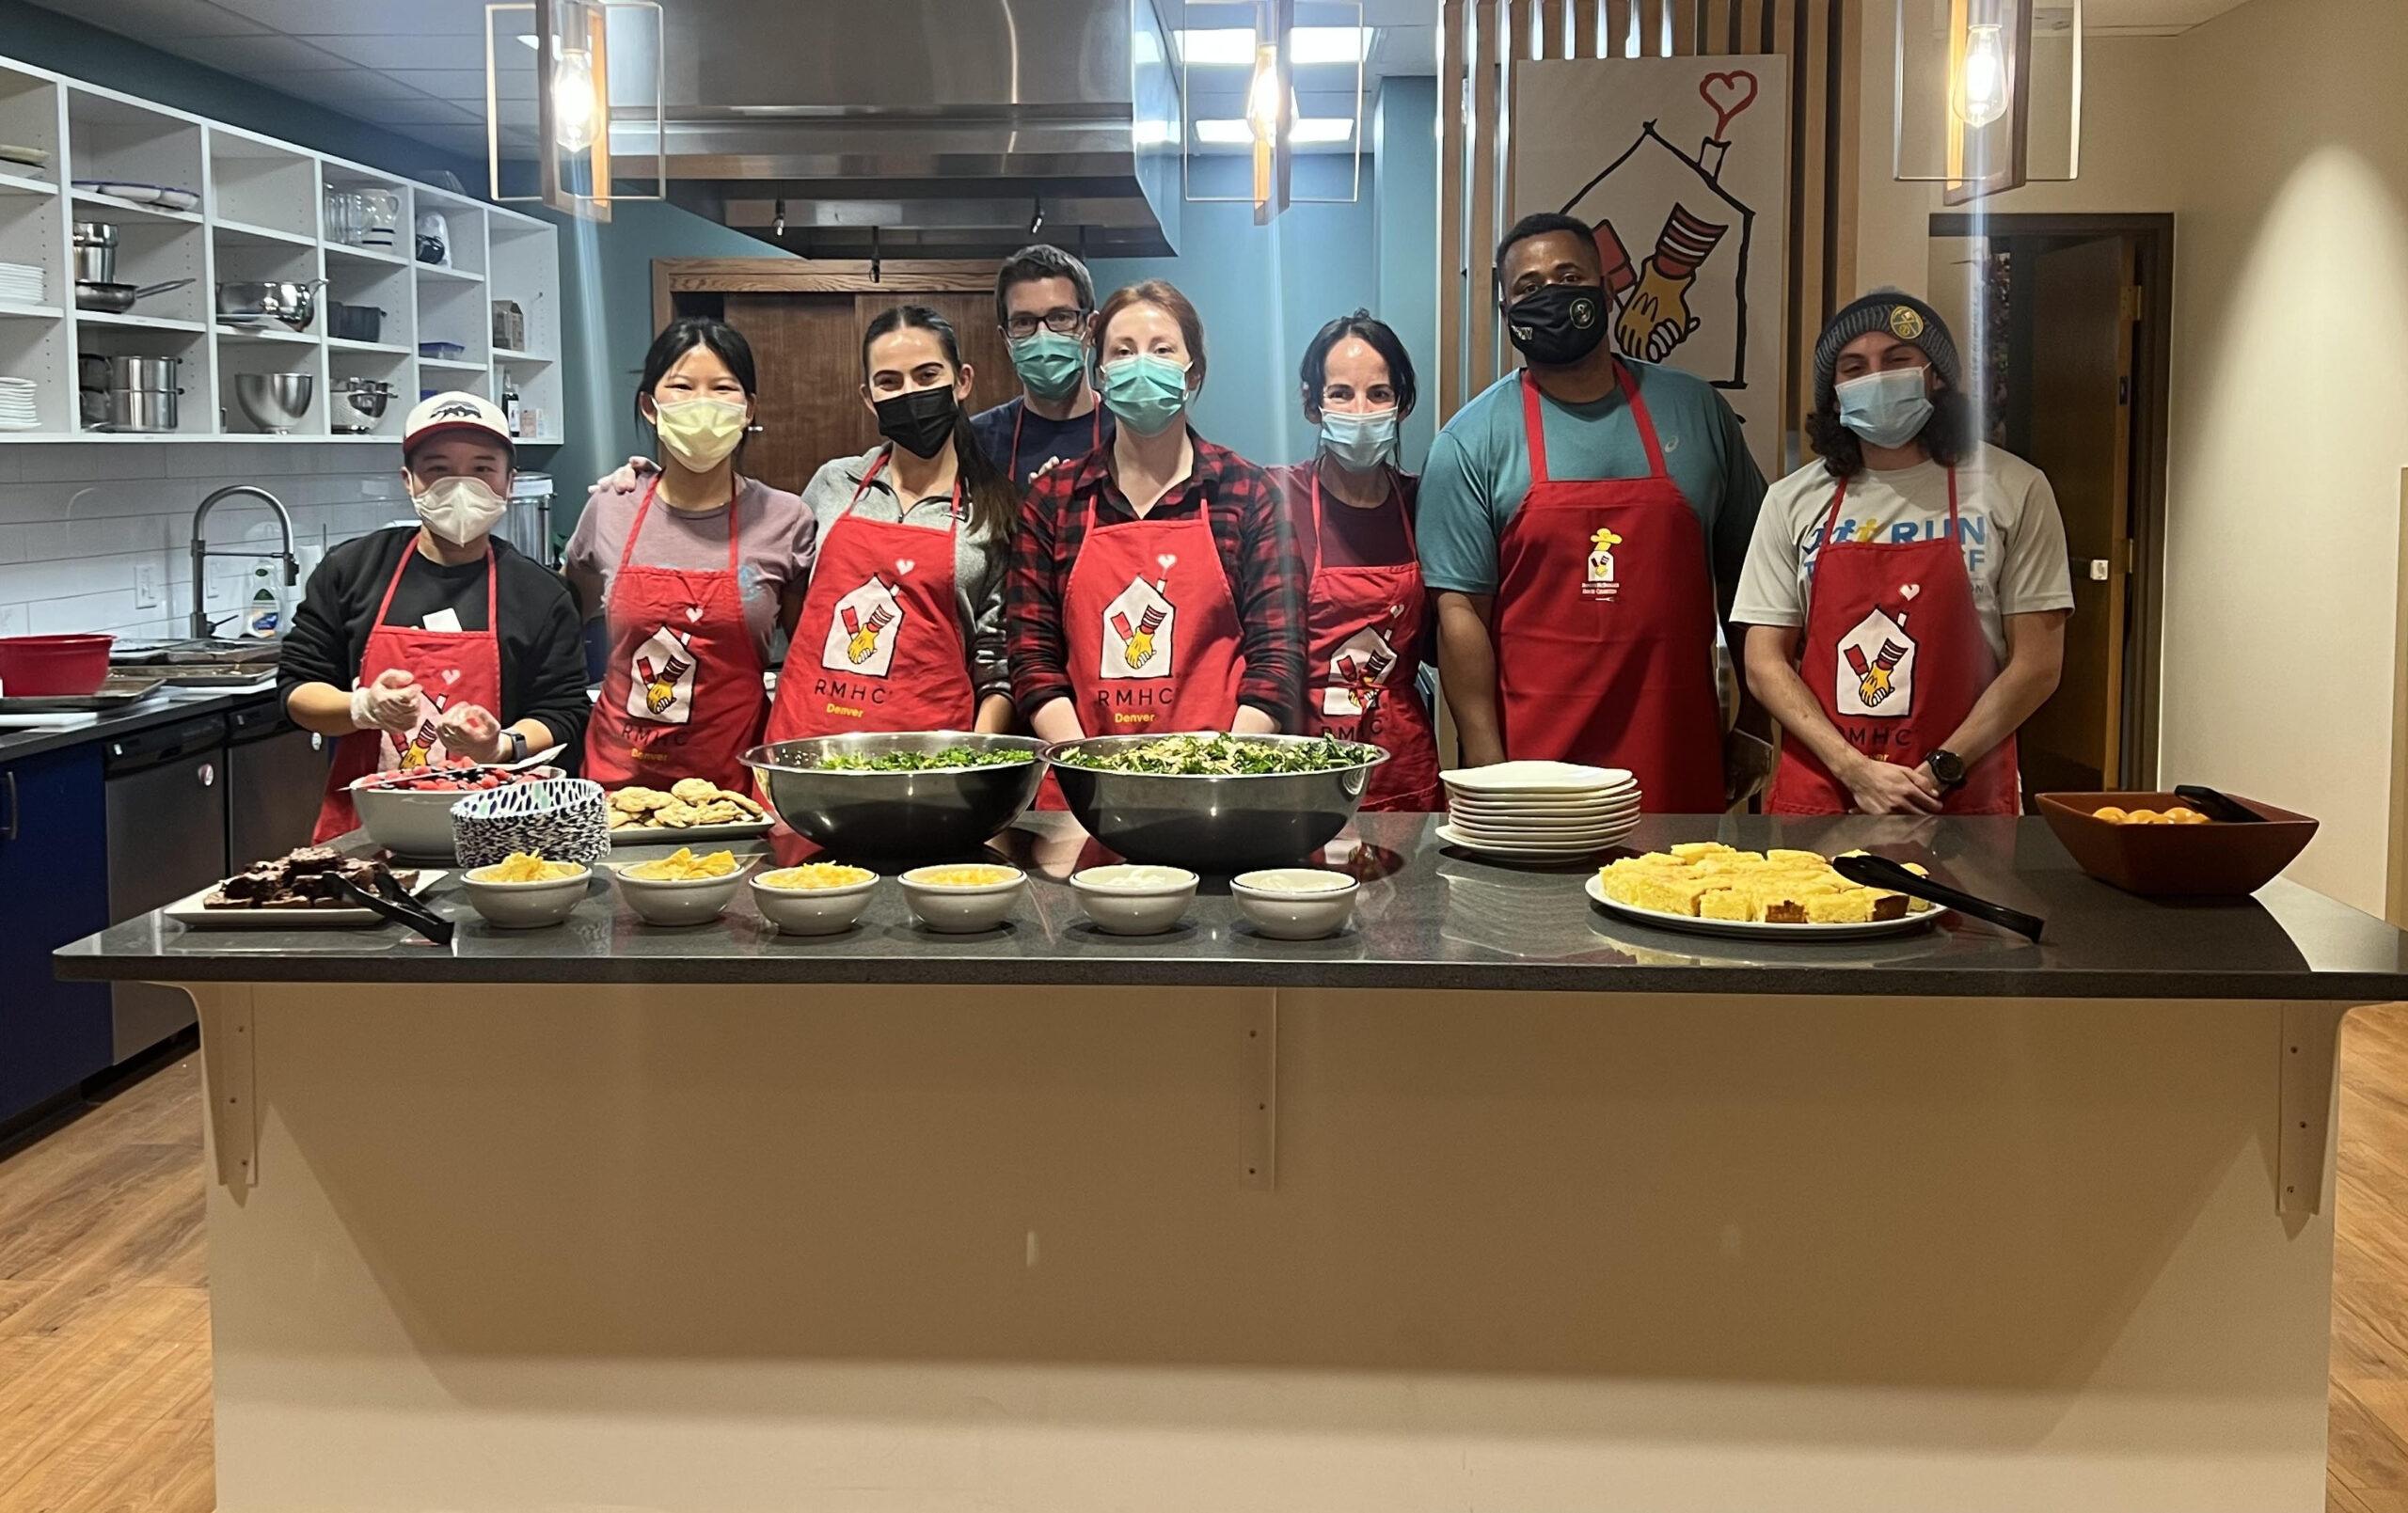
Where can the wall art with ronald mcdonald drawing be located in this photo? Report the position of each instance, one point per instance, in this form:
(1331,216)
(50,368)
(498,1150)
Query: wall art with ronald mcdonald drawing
(1681,166)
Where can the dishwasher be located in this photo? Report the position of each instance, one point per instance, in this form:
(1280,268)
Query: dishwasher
(165,795)
(276,775)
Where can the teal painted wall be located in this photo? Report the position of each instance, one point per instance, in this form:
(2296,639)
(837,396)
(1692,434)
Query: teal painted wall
(1405,131)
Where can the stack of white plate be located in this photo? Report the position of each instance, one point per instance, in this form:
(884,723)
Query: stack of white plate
(21,283)
(1538,810)
(17,412)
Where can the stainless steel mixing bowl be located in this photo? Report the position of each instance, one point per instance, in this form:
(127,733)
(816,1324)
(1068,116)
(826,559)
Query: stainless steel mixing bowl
(856,814)
(1209,825)
(275,401)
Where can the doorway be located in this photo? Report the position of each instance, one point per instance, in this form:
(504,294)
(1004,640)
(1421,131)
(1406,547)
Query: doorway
(2066,319)
(806,318)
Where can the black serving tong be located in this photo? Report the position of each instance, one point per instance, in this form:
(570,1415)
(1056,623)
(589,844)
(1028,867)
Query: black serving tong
(2218,806)
(1880,871)
(394,902)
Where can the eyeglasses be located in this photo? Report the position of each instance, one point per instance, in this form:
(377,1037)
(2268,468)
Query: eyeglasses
(1062,322)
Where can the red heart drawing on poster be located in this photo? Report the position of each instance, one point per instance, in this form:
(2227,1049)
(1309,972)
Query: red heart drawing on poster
(1728,94)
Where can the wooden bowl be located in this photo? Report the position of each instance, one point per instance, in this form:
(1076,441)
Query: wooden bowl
(2218,859)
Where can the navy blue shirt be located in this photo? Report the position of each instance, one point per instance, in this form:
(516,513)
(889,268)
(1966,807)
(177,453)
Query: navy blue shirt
(1044,444)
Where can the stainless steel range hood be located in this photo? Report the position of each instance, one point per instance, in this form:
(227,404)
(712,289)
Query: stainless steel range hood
(947,128)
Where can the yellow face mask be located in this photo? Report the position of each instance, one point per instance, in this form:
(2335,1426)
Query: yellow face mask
(700,434)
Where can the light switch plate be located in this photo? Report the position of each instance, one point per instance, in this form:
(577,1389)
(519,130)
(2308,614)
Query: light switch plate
(146,584)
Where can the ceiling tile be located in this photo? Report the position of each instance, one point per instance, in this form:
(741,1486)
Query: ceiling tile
(427,113)
(391,49)
(454,84)
(260,56)
(343,86)
(158,20)
(307,18)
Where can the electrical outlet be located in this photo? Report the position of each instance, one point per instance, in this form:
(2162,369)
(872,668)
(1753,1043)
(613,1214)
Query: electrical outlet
(146,584)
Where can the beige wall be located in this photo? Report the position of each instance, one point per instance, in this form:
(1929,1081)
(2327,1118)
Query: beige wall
(2276,136)
(2291,418)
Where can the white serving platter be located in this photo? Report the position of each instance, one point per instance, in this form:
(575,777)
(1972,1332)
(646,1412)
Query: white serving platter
(690,835)
(187,911)
(1758,929)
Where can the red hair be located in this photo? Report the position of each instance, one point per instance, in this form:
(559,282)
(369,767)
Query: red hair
(1164,296)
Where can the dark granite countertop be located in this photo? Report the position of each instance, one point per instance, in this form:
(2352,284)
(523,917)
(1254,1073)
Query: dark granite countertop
(1428,917)
(16,743)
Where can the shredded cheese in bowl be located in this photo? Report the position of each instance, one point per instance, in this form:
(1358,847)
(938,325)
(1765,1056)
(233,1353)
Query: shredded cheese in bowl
(526,867)
(974,875)
(683,866)
(813,875)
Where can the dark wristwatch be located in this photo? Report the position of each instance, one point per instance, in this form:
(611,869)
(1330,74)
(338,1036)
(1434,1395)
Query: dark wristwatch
(517,749)
(1949,769)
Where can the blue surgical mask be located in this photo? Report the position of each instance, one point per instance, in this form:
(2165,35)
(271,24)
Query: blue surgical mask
(1049,364)
(1888,408)
(1144,392)
(1359,442)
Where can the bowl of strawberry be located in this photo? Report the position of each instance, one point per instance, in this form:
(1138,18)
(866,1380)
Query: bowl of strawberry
(408,812)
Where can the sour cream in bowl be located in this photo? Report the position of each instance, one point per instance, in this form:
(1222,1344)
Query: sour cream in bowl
(1295,902)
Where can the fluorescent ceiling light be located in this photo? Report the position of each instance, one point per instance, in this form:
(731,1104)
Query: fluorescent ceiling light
(1309,129)
(533,43)
(1233,47)
(1154,133)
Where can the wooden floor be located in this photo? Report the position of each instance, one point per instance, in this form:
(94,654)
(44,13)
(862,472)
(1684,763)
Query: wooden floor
(105,1302)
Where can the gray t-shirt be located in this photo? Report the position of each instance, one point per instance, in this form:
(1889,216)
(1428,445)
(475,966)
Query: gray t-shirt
(777,538)
(978,561)
(2012,538)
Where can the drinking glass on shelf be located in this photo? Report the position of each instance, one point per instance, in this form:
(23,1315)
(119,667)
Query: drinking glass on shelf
(347,215)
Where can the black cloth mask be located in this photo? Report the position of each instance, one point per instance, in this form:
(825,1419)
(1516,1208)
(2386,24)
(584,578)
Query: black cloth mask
(919,421)
(1559,324)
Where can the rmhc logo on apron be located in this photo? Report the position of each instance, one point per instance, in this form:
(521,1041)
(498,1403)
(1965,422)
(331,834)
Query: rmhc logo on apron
(1875,675)
(1358,674)
(863,629)
(1137,628)
(662,689)
(1601,582)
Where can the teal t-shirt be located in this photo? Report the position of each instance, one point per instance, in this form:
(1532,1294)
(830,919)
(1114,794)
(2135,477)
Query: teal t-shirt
(1479,469)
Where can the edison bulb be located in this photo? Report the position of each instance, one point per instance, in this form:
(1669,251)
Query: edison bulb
(573,112)
(1982,82)
(1262,95)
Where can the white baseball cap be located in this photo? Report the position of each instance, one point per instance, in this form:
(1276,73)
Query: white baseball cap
(456,411)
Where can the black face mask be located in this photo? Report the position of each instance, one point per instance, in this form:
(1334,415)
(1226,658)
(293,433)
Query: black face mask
(920,422)
(1559,324)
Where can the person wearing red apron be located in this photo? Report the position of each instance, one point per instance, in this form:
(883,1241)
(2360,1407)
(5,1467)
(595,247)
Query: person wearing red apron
(1605,624)
(1900,618)
(878,646)
(1152,629)
(682,695)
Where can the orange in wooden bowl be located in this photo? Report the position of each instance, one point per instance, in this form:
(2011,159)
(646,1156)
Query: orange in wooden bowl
(2160,860)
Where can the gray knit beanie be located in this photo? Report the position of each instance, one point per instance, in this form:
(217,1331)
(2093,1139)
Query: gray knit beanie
(1897,312)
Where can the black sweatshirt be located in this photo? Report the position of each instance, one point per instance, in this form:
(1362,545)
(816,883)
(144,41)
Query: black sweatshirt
(543,657)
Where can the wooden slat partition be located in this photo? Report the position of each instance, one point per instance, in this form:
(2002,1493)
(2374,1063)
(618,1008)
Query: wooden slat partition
(1821,38)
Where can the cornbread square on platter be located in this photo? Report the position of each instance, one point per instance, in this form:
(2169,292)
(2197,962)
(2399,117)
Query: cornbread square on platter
(1796,859)
(1855,907)
(1691,850)
(1727,904)
(1889,906)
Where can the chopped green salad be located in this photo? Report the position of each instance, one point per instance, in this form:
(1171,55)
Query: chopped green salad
(951,757)
(1219,756)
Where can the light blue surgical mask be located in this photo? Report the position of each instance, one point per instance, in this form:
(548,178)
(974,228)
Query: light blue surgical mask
(1359,442)
(1049,364)
(1888,408)
(1145,392)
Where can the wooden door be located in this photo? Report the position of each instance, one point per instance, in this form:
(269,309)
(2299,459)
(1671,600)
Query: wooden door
(2084,301)
(808,347)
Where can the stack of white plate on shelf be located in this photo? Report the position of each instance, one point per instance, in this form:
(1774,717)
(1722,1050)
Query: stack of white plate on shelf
(1539,811)
(17,412)
(20,284)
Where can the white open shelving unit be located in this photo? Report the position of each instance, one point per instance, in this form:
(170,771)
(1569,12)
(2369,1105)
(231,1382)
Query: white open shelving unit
(261,218)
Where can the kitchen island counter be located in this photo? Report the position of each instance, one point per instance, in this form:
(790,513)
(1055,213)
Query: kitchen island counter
(1494,1203)
(1428,917)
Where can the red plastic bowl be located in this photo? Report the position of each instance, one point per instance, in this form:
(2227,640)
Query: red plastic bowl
(54,666)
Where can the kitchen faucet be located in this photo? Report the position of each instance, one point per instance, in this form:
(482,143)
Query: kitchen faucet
(201,554)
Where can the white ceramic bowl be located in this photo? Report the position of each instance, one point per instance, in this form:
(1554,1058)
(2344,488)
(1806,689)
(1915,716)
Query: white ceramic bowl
(692,902)
(812,910)
(1312,903)
(956,908)
(1135,900)
(408,822)
(525,906)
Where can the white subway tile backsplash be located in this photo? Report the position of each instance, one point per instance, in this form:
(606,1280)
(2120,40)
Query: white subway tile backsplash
(77,518)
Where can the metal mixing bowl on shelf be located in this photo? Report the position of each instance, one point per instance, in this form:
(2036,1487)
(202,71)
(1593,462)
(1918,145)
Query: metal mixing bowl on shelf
(939,813)
(1218,823)
(275,401)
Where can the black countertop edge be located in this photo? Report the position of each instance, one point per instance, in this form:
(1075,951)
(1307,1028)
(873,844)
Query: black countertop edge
(15,745)
(800,971)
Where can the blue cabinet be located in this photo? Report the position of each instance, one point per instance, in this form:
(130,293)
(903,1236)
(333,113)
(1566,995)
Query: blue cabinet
(54,890)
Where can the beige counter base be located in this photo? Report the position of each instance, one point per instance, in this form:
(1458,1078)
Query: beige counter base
(874,1250)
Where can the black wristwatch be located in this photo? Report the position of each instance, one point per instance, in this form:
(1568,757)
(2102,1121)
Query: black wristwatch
(517,748)
(1949,769)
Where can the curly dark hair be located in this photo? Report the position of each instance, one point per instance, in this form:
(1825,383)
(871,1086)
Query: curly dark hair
(1949,436)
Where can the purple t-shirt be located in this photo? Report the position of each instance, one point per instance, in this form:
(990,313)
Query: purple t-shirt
(777,538)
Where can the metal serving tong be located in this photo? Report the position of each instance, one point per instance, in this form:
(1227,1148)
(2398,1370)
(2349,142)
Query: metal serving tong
(2219,806)
(394,902)
(1880,871)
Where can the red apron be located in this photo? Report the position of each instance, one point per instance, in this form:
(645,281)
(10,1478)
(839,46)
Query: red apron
(1902,693)
(889,650)
(1605,659)
(451,667)
(1364,624)
(1011,458)
(681,694)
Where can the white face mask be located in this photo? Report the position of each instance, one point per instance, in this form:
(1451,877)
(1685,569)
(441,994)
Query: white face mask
(700,432)
(460,510)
